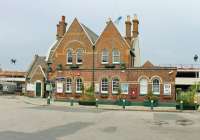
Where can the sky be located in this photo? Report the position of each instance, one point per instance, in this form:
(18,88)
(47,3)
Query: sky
(169,29)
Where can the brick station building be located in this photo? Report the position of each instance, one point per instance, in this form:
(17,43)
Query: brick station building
(109,62)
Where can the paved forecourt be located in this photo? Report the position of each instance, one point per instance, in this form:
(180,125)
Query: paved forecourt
(21,120)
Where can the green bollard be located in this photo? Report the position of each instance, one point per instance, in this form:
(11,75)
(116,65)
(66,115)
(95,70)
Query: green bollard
(181,105)
(48,100)
(124,101)
(72,101)
(97,103)
(151,104)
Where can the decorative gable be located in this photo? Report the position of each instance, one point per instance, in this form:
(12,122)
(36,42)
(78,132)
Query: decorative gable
(148,64)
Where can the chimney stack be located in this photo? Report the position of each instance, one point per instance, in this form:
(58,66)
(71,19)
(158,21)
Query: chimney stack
(128,29)
(135,26)
(61,28)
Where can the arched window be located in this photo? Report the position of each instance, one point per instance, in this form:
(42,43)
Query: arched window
(115,56)
(69,56)
(156,87)
(104,57)
(79,56)
(143,86)
(79,84)
(69,85)
(115,85)
(104,85)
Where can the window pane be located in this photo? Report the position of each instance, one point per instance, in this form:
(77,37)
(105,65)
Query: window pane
(78,85)
(105,56)
(115,85)
(143,86)
(104,86)
(116,56)
(156,86)
(69,56)
(79,56)
(68,85)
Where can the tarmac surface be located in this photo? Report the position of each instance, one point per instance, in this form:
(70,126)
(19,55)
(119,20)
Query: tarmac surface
(23,118)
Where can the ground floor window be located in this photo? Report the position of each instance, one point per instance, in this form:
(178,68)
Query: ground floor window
(143,86)
(59,87)
(156,87)
(79,84)
(104,85)
(115,86)
(167,89)
(69,85)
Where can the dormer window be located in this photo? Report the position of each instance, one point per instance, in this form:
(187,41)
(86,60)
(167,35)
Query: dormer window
(79,56)
(69,56)
(104,57)
(116,56)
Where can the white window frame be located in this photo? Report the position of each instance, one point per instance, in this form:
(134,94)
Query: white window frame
(167,87)
(103,84)
(105,53)
(156,93)
(78,84)
(143,86)
(114,55)
(68,56)
(69,84)
(81,51)
(113,91)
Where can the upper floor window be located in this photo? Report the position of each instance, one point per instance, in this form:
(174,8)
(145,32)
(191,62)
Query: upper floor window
(79,56)
(115,56)
(115,85)
(156,87)
(104,85)
(104,58)
(143,86)
(69,56)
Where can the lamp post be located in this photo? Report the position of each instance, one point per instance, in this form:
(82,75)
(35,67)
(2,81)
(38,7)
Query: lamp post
(196,60)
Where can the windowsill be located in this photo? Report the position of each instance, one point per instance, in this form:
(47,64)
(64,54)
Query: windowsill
(114,93)
(104,63)
(142,94)
(104,92)
(68,92)
(79,63)
(69,63)
(116,63)
(78,92)
(156,94)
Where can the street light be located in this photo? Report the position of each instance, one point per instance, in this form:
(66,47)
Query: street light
(196,60)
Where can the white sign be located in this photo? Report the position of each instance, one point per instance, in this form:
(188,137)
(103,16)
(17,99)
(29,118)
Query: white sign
(97,87)
(48,87)
(167,89)
(30,87)
(59,87)
(124,88)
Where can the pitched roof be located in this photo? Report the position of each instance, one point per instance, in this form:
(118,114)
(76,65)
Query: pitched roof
(93,36)
(51,50)
(38,60)
(111,24)
(12,74)
(148,64)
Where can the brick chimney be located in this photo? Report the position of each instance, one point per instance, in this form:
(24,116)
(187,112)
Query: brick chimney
(135,31)
(61,28)
(128,29)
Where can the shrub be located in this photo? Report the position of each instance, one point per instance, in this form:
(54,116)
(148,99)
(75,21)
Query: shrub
(150,97)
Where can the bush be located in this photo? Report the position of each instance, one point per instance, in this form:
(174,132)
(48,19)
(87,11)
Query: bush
(88,97)
(150,97)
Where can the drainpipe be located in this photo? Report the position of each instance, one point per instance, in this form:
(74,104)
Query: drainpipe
(93,67)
